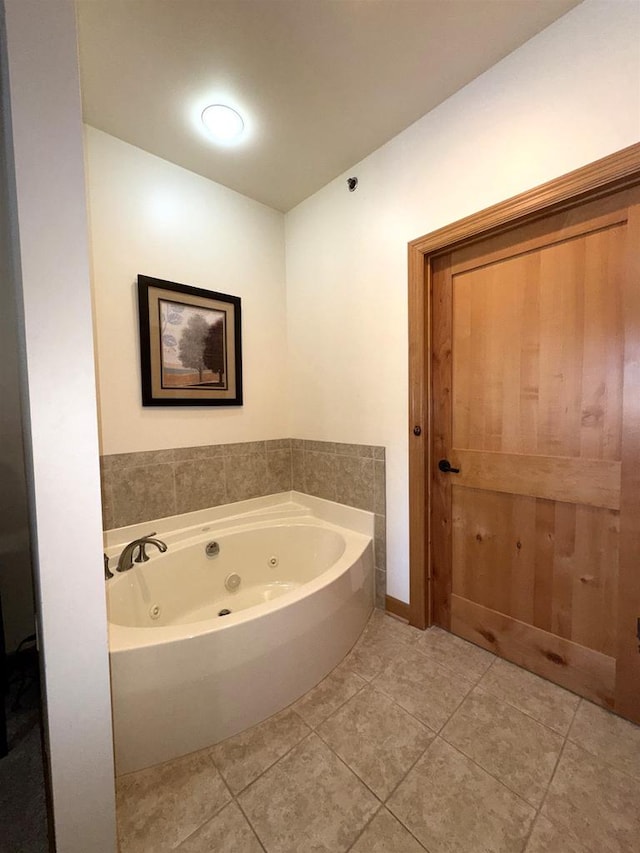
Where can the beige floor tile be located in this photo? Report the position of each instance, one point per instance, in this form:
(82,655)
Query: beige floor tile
(377,739)
(377,648)
(453,806)
(517,750)
(159,807)
(227,832)
(423,688)
(242,758)
(549,838)
(332,692)
(386,835)
(390,626)
(607,736)
(454,653)
(537,697)
(598,804)
(309,801)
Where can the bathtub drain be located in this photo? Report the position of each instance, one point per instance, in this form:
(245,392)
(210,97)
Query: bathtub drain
(224,612)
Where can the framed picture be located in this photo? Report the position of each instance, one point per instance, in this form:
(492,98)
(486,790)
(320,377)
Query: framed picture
(190,348)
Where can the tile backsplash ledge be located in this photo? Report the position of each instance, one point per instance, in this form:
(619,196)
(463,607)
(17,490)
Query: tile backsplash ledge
(142,486)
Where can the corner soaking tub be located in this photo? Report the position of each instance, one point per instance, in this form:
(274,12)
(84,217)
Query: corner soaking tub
(250,607)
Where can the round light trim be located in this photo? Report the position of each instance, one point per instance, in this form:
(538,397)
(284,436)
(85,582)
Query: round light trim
(222,122)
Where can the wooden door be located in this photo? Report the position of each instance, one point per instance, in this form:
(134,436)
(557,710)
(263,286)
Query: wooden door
(535,543)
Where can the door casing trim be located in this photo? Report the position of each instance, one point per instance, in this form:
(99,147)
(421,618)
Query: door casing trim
(616,172)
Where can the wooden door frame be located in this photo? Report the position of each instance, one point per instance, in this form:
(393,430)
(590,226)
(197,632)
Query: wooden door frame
(615,172)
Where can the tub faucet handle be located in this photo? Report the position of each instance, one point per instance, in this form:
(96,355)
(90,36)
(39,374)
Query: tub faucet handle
(142,556)
(138,545)
(107,574)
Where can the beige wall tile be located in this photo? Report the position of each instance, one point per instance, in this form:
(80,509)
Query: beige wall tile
(320,475)
(142,493)
(135,460)
(200,483)
(181,454)
(243,448)
(380,542)
(246,476)
(380,588)
(279,475)
(319,446)
(354,482)
(297,470)
(278,444)
(107,500)
(358,450)
(379,489)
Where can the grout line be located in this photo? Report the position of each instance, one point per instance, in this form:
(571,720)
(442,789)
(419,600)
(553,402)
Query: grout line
(336,709)
(413,764)
(530,716)
(493,773)
(251,826)
(206,820)
(350,769)
(495,778)
(560,754)
(273,763)
(413,716)
(367,824)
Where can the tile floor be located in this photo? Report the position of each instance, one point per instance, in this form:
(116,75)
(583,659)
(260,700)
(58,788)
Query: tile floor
(417,742)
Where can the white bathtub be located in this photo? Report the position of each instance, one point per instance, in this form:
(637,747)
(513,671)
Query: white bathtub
(183,677)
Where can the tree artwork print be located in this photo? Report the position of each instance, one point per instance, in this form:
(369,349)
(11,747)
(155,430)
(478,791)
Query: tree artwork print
(193,346)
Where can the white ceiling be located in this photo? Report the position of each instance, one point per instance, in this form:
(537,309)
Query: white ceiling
(321,83)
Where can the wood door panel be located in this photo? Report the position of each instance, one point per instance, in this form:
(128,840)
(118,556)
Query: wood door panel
(535,543)
(550,564)
(584,671)
(589,481)
(537,361)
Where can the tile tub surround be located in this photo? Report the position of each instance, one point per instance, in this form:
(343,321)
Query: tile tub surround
(138,487)
(369,763)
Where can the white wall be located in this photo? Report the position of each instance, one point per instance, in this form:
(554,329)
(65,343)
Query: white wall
(149,216)
(51,262)
(569,96)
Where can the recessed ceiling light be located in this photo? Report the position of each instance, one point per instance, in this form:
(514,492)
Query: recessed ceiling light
(222,122)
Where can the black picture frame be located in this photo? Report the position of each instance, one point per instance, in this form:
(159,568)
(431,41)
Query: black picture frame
(190,345)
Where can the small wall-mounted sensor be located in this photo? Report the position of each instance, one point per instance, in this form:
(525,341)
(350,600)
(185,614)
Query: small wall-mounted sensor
(352,183)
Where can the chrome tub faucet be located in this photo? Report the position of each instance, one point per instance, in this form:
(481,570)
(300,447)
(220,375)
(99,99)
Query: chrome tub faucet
(126,559)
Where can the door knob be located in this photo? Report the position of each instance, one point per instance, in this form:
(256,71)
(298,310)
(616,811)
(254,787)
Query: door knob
(445,466)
